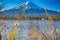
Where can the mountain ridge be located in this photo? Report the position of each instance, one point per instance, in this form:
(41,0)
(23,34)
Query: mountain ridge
(29,8)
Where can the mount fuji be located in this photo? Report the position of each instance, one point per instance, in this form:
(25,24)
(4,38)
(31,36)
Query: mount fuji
(27,8)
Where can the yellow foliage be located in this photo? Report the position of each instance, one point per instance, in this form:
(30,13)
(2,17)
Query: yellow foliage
(35,34)
(11,35)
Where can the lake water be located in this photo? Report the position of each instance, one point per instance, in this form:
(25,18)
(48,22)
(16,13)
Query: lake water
(25,25)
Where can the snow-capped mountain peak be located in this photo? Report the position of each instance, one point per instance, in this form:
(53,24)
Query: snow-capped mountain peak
(28,8)
(26,3)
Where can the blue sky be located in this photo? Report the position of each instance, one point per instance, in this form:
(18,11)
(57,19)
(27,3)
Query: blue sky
(12,3)
(49,4)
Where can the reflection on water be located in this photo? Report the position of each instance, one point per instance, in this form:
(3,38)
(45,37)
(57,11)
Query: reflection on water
(29,29)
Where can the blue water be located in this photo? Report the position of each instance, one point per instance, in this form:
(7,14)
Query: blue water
(24,25)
